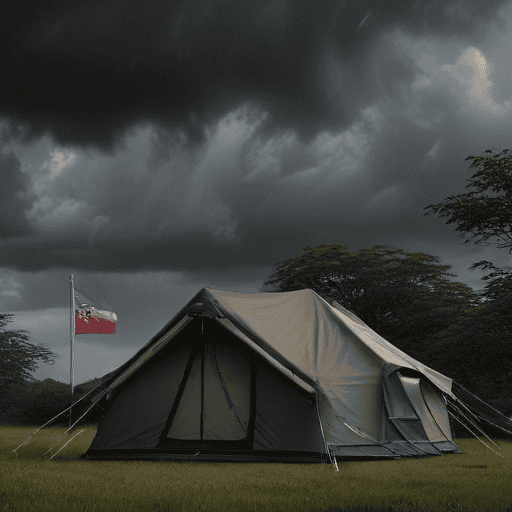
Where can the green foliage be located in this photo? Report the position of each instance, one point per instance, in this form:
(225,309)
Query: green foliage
(484,213)
(18,357)
(24,400)
(478,345)
(392,291)
(42,400)
(475,352)
(499,286)
(37,402)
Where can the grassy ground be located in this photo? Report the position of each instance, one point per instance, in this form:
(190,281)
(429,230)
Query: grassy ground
(475,480)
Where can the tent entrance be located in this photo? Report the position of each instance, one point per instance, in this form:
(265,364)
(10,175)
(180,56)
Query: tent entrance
(214,407)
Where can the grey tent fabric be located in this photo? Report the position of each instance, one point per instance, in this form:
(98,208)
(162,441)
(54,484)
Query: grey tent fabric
(271,376)
(226,397)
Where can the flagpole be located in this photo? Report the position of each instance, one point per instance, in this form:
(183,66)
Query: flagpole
(72,341)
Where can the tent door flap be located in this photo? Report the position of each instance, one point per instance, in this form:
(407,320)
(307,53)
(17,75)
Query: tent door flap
(214,407)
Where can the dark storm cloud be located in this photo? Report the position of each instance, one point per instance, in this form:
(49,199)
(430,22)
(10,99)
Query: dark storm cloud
(262,183)
(87,71)
(13,197)
(314,122)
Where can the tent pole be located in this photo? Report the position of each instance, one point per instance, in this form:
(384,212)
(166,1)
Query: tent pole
(55,417)
(332,458)
(72,344)
(203,349)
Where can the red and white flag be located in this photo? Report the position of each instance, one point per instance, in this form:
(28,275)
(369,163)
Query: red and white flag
(93,316)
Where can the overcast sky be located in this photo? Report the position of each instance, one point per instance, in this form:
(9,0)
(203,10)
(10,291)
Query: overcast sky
(153,149)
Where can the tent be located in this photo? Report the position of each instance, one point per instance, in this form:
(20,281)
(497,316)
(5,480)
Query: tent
(270,377)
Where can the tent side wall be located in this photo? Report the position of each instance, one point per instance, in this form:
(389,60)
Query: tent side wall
(414,422)
(286,416)
(138,411)
(416,415)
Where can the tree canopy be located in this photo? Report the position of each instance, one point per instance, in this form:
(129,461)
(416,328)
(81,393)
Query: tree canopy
(18,357)
(475,352)
(389,289)
(484,213)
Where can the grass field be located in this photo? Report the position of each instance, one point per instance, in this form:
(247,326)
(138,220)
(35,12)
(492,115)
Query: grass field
(477,479)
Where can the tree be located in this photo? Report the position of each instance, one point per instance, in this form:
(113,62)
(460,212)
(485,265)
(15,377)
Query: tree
(18,357)
(475,352)
(499,287)
(402,296)
(485,212)
(43,400)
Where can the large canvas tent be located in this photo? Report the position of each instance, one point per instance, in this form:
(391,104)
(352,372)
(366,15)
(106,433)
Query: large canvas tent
(274,377)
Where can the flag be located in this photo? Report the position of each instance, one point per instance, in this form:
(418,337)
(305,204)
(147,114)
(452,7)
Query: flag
(93,316)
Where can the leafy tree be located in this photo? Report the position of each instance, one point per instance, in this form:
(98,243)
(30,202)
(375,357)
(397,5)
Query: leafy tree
(483,340)
(498,290)
(484,213)
(431,311)
(18,357)
(402,296)
(42,400)
(475,352)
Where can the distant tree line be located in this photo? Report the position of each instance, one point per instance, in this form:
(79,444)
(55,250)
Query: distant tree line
(24,400)
(36,402)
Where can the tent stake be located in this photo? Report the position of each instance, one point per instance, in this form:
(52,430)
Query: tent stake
(54,418)
(103,393)
(83,430)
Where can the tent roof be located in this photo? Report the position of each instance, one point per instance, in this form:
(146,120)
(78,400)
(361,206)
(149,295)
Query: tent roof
(298,331)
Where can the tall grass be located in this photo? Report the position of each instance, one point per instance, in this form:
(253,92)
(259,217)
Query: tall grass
(475,480)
